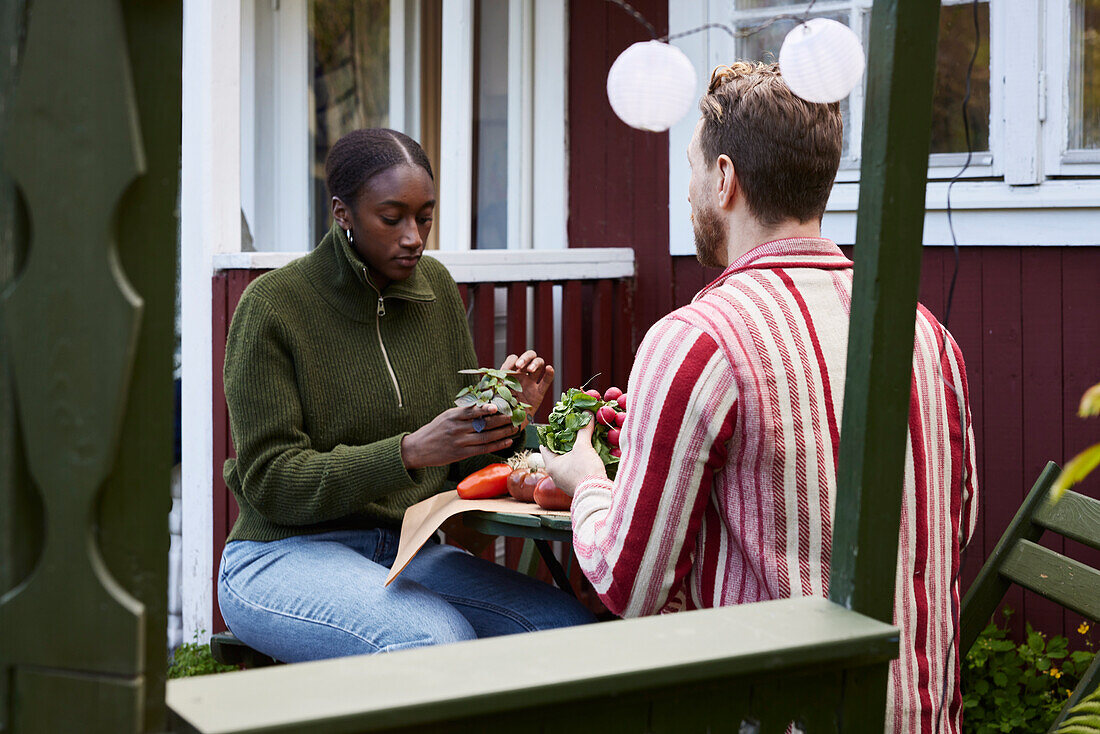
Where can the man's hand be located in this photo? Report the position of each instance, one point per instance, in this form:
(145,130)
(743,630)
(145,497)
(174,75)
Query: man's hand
(535,376)
(569,469)
(451,437)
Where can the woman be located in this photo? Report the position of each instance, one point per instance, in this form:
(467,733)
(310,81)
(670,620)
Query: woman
(340,374)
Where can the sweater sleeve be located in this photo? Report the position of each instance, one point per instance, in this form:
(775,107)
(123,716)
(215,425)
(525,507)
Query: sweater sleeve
(280,475)
(635,538)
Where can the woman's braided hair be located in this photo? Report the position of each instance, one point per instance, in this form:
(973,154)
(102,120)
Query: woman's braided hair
(361,155)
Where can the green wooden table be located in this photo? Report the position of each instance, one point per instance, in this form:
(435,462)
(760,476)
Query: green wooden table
(540,528)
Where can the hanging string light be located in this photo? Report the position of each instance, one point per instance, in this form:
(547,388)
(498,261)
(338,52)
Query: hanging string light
(651,85)
(821,60)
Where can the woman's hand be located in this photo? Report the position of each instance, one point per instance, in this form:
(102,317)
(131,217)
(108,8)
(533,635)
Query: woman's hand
(533,374)
(451,437)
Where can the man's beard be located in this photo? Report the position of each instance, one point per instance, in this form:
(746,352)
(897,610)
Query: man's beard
(710,238)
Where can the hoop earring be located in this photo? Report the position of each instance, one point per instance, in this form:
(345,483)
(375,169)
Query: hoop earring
(350,238)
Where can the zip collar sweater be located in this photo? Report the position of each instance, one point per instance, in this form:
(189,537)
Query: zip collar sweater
(323,376)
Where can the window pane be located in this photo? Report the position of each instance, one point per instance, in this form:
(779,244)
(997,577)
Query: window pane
(1084,76)
(350,88)
(956,46)
(764,46)
(490,215)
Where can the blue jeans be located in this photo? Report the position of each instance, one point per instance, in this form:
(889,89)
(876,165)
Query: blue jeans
(322,596)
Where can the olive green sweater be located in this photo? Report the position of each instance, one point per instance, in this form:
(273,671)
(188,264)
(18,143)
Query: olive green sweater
(323,377)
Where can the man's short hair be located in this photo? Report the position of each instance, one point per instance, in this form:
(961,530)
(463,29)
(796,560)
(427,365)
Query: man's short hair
(785,150)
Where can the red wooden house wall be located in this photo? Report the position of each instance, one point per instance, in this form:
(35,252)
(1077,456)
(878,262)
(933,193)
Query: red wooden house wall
(1027,318)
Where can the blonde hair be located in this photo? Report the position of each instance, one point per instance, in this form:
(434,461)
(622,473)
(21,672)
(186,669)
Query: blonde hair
(785,150)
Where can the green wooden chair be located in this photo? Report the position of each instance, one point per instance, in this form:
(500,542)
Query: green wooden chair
(1019,559)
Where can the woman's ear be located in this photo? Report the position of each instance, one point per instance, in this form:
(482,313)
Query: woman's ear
(341,213)
(726,181)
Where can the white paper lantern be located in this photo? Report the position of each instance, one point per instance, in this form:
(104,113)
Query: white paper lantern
(651,85)
(821,60)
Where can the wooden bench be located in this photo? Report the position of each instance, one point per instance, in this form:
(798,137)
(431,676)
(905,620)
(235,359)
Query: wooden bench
(1018,558)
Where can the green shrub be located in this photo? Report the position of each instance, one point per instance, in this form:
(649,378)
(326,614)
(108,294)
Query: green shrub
(1018,688)
(194,658)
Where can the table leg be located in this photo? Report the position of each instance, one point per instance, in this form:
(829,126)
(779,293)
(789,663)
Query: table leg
(554,565)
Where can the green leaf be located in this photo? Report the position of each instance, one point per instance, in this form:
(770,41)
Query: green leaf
(1075,470)
(1090,402)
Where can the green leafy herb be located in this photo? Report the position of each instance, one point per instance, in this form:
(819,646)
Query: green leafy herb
(497,387)
(572,413)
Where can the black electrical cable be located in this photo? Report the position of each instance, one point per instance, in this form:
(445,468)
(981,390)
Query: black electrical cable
(743,33)
(955,611)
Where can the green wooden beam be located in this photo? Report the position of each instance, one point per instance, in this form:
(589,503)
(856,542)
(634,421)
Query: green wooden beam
(91,135)
(896,134)
(20,509)
(1075,516)
(773,659)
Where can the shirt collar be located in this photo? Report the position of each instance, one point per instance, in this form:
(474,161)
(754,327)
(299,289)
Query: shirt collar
(793,252)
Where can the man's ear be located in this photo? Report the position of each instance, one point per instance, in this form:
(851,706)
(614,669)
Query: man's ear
(726,181)
(341,213)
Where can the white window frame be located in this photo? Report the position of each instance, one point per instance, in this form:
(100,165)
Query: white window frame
(1059,159)
(277,120)
(1009,195)
(537,94)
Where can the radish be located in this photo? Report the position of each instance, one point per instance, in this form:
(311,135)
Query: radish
(594,393)
(606,415)
(620,419)
(616,452)
(621,400)
(613,437)
(612,394)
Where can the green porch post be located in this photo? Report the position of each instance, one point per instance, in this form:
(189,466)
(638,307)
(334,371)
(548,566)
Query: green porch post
(901,70)
(90,123)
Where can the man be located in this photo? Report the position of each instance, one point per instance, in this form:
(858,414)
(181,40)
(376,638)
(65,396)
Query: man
(726,487)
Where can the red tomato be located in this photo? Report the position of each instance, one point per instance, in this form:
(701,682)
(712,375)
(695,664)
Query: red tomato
(606,415)
(549,497)
(612,393)
(492,481)
(521,484)
(515,481)
(613,437)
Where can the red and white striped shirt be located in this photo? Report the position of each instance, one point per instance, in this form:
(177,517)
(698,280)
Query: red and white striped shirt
(726,488)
